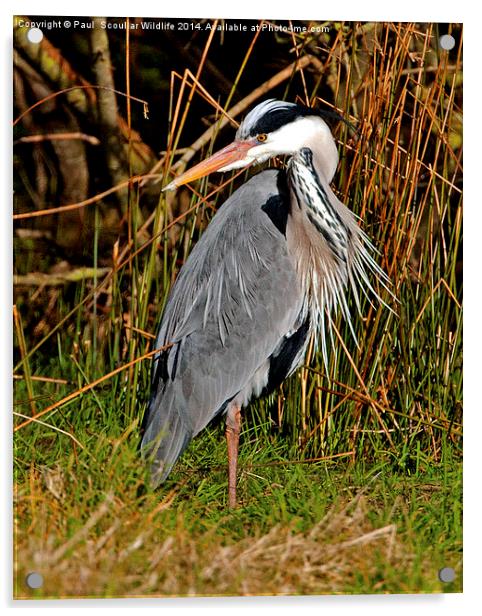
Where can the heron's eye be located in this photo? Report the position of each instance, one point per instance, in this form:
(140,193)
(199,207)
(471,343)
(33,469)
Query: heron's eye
(262,137)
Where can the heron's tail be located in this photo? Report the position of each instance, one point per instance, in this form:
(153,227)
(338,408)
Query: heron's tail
(166,436)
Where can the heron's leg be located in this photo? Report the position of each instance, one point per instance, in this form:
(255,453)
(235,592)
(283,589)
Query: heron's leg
(233,426)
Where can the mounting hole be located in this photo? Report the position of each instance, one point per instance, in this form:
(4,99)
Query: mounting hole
(34,580)
(35,35)
(447,42)
(447,574)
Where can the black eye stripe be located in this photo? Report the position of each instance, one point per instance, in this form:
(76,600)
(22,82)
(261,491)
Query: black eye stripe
(273,120)
(271,115)
(278,117)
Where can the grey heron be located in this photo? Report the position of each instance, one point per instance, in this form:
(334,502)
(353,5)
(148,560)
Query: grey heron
(275,262)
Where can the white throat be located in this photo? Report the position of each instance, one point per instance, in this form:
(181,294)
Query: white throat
(306,132)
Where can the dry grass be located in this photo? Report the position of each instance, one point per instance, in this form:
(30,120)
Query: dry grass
(120,551)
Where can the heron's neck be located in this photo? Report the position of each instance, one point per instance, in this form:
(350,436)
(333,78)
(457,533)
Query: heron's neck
(325,160)
(331,252)
(315,198)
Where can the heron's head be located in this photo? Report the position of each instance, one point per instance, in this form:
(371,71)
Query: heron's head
(272,128)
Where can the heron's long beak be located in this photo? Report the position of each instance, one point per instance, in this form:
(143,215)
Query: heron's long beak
(232,153)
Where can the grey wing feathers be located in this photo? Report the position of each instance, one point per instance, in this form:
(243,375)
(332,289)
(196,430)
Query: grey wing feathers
(167,434)
(234,300)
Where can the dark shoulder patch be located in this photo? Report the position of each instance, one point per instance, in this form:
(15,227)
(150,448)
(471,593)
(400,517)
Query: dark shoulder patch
(281,364)
(276,209)
(159,372)
(278,206)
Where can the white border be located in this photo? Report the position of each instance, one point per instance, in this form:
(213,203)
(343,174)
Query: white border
(410,10)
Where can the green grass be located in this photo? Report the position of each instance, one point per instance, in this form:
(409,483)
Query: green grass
(330,526)
(380,511)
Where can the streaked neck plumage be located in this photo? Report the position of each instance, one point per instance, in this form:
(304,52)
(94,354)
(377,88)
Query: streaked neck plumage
(331,251)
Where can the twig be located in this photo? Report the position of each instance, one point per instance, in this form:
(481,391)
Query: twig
(367,537)
(43,423)
(343,454)
(40,279)
(80,204)
(43,379)
(71,89)
(57,137)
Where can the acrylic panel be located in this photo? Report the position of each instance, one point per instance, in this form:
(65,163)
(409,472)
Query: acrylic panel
(312,314)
